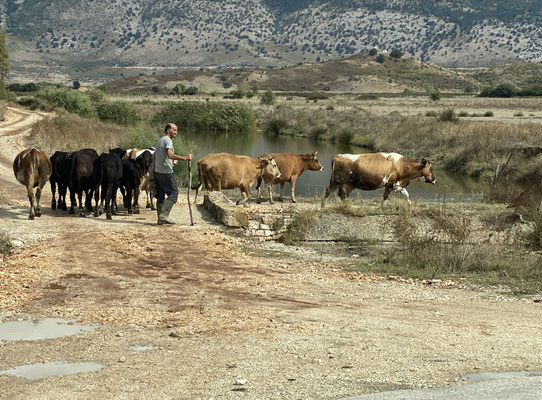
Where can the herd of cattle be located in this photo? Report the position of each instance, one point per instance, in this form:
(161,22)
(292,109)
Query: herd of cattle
(86,172)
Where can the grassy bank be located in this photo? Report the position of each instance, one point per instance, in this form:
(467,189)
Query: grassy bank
(479,243)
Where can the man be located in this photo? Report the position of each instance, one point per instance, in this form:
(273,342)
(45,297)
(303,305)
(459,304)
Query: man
(166,184)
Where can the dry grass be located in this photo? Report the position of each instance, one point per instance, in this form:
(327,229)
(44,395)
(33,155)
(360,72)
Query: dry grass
(69,132)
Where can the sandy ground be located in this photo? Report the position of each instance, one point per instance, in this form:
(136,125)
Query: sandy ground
(224,324)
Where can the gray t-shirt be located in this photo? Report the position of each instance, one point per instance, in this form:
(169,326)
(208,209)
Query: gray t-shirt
(163,164)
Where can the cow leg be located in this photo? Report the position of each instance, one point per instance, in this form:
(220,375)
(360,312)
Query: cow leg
(128,200)
(405,193)
(136,199)
(89,193)
(270,192)
(62,190)
(245,193)
(96,202)
(151,197)
(343,193)
(387,192)
(292,187)
(53,190)
(330,189)
(258,188)
(37,207)
(109,201)
(72,201)
(281,196)
(30,192)
(80,203)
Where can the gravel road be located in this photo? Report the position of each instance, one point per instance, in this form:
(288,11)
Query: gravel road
(215,322)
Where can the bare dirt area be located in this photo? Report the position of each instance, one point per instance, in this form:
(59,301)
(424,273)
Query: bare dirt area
(217,322)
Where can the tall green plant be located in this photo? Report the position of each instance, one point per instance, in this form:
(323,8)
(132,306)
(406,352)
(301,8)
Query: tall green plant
(72,100)
(4,64)
(208,116)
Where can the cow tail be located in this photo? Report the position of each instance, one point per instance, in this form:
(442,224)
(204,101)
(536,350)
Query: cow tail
(332,171)
(200,178)
(35,163)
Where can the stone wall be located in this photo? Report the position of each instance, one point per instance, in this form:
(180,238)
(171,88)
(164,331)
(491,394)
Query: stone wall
(261,225)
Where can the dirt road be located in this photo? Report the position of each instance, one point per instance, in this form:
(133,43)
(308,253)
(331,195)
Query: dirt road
(218,323)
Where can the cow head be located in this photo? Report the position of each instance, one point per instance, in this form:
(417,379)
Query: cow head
(427,171)
(312,162)
(269,167)
(144,161)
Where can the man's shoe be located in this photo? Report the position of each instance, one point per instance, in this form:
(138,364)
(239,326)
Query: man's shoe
(163,216)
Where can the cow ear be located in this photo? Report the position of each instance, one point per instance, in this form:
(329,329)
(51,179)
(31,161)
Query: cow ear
(424,162)
(315,153)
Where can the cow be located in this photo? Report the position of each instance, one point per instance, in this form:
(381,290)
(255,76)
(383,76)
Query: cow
(59,179)
(372,171)
(135,153)
(291,166)
(80,167)
(32,169)
(228,171)
(108,175)
(133,171)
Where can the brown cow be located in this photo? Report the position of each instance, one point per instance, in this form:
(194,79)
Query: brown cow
(291,166)
(32,169)
(229,171)
(372,171)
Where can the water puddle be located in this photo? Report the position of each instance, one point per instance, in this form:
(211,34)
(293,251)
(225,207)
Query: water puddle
(141,348)
(49,328)
(47,370)
(491,376)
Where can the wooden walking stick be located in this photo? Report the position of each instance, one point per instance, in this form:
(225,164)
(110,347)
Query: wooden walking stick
(188,191)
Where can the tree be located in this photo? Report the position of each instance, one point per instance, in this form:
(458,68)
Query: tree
(4,63)
(435,95)
(396,53)
(76,85)
(373,52)
(268,97)
(380,59)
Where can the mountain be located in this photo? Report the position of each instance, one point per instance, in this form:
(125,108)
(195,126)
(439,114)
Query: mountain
(99,40)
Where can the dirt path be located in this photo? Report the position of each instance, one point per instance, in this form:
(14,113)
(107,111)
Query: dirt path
(222,324)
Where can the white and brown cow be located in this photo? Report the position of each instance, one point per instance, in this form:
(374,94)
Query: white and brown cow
(372,171)
(291,166)
(228,171)
(32,169)
(134,154)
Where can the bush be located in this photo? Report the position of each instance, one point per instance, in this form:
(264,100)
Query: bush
(23,88)
(488,114)
(345,136)
(268,97)
(72,100)
(120,112)
(435,95)
(380,59)
(34,103)
(448,115)
(5,244)
(373,52)
(3,110)
(209,116)
(237,94)
(156,89)
(275,126)
(227,85)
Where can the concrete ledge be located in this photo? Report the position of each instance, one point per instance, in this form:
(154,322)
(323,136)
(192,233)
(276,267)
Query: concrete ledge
(261,225)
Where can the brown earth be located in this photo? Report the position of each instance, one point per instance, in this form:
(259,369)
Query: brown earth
(226,324)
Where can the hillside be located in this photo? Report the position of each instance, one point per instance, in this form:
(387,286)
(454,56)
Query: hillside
(99,40)
(360,73)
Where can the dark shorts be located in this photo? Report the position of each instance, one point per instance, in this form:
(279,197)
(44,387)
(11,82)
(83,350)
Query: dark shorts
(166,184)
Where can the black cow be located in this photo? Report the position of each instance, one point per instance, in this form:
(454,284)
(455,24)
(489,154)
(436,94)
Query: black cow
(132,174)
(81,178)
(108,176)
(59,178)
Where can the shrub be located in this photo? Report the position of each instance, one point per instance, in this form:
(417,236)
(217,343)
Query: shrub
(268,97)
(345,136)
(448,115)
(5,244)
(380,59)
(23,87)
(209,116)
(96,95)
(396,53)
(488,114)
(435,95)
(3,110)
(275,126)
(120,112)
(72,100)
(237,94)
(373,52)
(156,89)
(317,133)
(227,85)
(34,103)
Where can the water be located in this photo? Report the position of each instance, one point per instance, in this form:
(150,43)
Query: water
(49,328)
(47,370)
(449,186)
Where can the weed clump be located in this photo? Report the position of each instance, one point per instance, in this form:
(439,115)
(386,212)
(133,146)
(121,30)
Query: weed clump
(5,244)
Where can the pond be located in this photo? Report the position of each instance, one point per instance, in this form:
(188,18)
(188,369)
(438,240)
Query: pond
(448,186)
